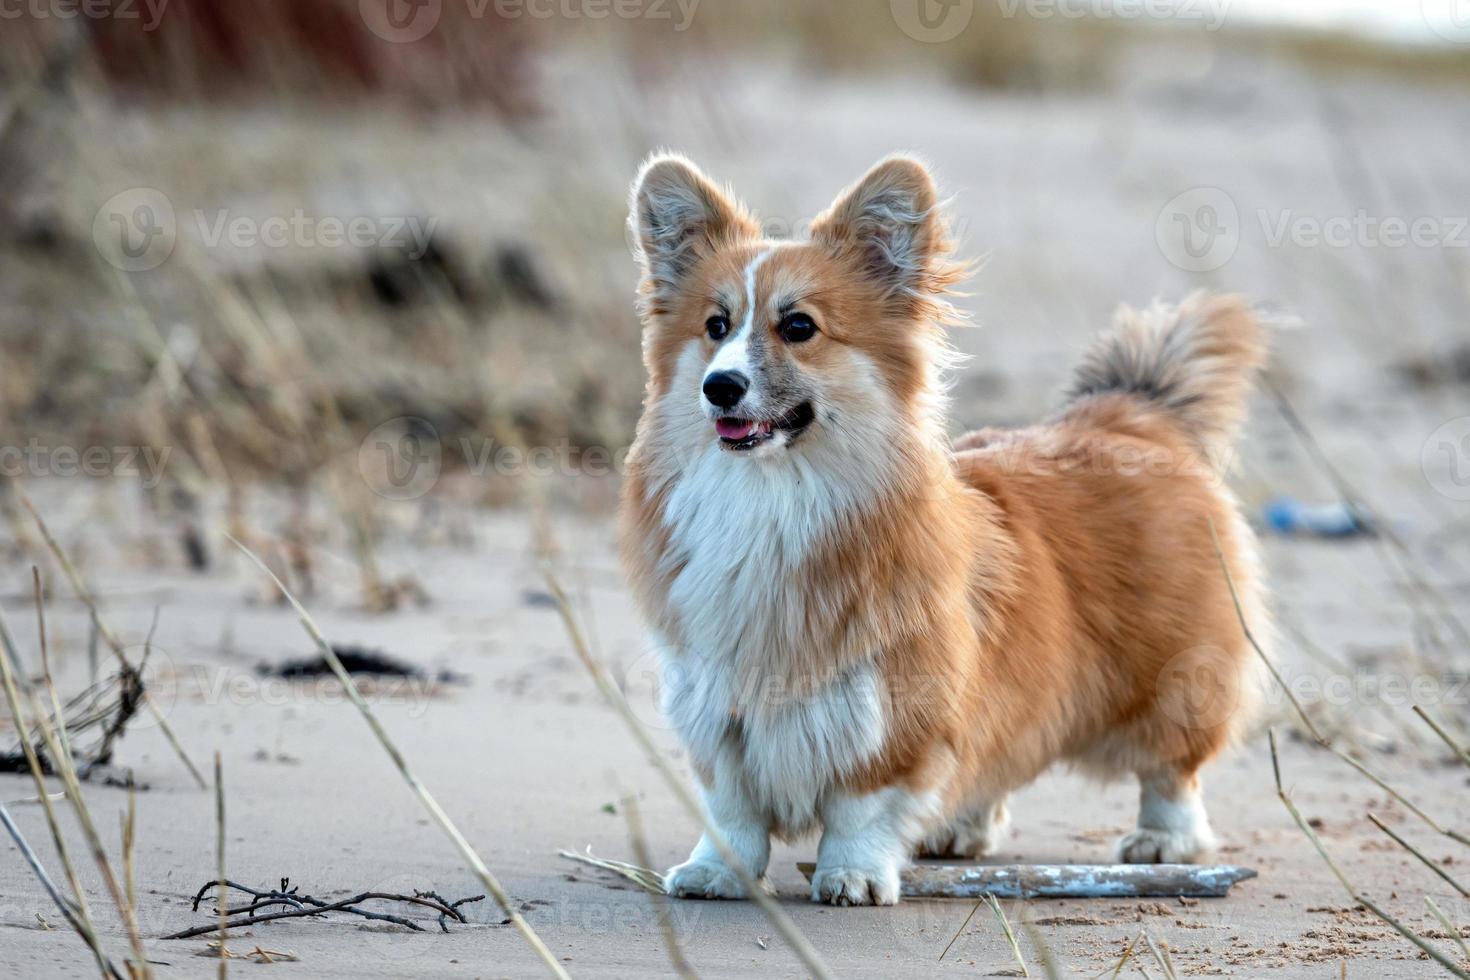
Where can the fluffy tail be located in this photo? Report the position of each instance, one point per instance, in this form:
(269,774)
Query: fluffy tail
(1193,361)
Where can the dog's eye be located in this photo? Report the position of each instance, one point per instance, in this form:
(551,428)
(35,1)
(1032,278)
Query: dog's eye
(797,327)
(717,326)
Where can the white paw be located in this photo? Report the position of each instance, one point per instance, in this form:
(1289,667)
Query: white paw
(1151,845)
(856,886)
(703,879)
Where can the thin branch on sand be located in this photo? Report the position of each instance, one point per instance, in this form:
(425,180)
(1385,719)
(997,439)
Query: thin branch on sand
(466,850)
(289,903)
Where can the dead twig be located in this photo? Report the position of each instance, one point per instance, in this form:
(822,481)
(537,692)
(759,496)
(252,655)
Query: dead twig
(298,906)
(110,638)
(470,855)
(1427,861)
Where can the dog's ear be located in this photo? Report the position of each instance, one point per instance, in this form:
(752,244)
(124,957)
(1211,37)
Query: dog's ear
(678,216)
(890,223)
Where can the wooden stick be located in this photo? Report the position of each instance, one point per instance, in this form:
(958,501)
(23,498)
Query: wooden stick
(1066,880)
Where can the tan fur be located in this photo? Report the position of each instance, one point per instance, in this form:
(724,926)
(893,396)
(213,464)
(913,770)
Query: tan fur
(1031,596)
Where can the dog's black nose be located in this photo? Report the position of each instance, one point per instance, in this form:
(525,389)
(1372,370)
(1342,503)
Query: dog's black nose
(724,389)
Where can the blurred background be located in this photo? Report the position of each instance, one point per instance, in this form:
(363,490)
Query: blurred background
(349,281)
(325,272)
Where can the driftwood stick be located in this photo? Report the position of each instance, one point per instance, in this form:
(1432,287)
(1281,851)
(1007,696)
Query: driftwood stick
(1068,880)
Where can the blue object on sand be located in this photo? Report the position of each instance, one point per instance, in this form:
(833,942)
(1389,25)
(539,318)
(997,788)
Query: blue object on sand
(1287,515)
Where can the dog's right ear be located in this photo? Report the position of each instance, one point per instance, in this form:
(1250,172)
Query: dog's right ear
(677,216)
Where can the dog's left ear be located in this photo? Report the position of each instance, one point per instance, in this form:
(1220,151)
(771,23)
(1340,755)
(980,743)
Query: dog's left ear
(891,223)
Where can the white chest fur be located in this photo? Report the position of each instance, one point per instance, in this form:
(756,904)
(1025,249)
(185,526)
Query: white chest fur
(741,532)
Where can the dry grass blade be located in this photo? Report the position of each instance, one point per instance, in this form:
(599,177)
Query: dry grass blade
(1445,736)
(471,857)
(1122,960)
(1043,951)
(799,944)
(60,749)
(89,935)
(219,824)
(1428,862)
(1311,728)
(82,921)
(660,901)
(1409,562)
(960,931)
(1449,926)
(82,593)
(1347,885)
(1161,956)
(645,878)
(1005,927)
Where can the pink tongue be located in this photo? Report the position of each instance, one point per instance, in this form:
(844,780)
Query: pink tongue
(736,429)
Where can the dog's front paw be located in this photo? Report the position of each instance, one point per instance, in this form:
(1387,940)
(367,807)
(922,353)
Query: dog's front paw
(1152,845)
(703,879)
(856,886)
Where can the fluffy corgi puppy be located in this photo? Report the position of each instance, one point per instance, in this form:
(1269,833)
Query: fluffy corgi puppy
(869,630)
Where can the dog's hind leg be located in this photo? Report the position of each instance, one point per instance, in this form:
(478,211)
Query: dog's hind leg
(975,832)
(1172,825)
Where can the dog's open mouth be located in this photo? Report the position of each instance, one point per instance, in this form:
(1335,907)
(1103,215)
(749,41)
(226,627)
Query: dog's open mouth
(736,433)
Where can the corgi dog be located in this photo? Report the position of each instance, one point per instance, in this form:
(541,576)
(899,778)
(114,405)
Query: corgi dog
(866,628)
